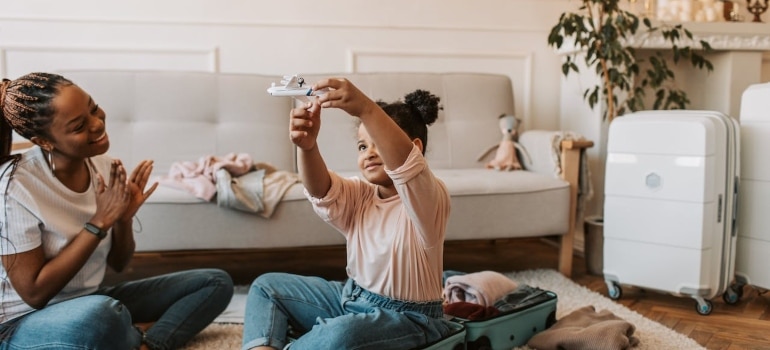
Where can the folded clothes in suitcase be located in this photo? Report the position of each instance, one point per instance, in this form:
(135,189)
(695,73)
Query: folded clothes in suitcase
(524,312)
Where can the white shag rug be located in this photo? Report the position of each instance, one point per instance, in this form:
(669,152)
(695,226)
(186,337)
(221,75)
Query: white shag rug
(571,296)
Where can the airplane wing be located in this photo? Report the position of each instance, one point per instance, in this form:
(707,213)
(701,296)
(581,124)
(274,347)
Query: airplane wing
(292,82)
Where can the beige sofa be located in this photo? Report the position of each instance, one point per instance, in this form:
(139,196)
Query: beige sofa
(182,116)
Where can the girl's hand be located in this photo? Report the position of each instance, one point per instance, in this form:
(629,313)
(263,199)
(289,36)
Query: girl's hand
(136,184)
(304,124)
(112,197)
(344,95)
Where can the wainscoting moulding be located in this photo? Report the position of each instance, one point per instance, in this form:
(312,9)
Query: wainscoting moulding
(208,57)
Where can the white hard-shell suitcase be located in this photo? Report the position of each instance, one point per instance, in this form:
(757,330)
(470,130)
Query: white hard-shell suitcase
(751,262)
(669,209)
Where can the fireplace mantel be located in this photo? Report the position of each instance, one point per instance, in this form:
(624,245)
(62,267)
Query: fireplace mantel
(722,36)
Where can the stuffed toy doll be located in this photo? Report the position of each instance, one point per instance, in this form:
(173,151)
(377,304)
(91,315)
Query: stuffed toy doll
(506,157)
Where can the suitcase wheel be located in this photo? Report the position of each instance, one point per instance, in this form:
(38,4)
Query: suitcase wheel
(732,295)
(704,308)
(614,291)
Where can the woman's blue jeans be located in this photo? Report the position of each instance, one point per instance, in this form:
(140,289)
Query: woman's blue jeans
(336,316)
(180,305)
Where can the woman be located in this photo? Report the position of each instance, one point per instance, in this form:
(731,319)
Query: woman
(67,215)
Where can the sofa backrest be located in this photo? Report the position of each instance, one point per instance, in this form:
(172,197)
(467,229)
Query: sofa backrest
(182,116)
(466,127)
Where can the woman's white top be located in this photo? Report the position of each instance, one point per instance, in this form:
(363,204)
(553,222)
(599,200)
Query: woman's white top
(38,210)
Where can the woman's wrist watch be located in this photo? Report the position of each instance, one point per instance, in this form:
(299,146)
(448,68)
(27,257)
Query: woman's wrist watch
(96,230)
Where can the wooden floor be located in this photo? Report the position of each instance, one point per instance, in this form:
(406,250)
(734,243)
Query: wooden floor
(744,325)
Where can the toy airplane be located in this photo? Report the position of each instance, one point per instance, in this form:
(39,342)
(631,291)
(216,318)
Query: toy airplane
(292,85)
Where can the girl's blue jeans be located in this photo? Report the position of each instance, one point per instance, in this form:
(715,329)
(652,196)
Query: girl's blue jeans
(180,305)
(335,315)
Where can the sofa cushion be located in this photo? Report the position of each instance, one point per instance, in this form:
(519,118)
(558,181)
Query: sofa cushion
(195,226)
(464,182)
(459,182)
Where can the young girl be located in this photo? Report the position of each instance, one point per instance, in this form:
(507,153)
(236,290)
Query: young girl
(394,223)
(67,215)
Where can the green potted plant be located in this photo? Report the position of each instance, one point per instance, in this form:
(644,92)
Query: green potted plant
(600,32)
(603,36)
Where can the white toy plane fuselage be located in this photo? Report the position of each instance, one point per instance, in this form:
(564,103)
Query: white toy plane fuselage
(294,86)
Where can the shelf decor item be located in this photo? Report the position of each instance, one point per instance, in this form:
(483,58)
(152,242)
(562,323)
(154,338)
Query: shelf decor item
(756,7)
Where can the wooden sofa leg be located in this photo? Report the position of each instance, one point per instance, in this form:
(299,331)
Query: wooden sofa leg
(570,172)
(565,253)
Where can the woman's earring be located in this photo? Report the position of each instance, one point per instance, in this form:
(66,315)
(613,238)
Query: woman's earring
(50,161)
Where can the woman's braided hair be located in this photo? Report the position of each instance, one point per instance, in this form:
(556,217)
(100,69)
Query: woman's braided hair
(418,110)
(25,106)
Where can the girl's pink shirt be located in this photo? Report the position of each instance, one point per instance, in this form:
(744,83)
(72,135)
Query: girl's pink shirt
(395,246)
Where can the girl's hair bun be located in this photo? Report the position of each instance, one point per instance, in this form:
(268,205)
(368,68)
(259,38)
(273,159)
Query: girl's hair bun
(425,104)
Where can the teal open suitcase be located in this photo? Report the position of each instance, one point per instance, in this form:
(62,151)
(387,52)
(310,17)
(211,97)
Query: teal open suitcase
(512,328)
(454,341)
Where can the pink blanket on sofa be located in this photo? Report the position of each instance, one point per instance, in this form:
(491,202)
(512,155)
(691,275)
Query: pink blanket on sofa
(199,178)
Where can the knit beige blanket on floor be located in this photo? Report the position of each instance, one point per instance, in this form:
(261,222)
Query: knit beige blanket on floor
(587,329)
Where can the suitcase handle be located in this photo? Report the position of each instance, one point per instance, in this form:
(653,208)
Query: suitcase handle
(735,206)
